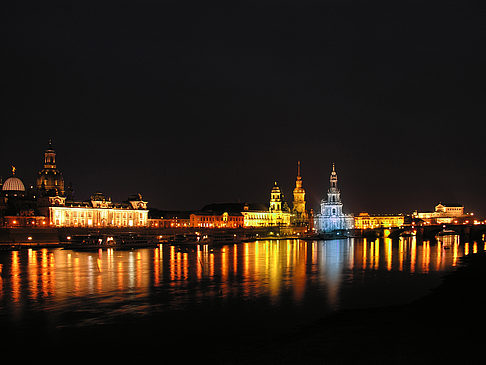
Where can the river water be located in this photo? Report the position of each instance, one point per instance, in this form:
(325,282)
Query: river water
(258,286)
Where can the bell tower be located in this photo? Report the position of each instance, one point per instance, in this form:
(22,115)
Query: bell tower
(298,207)
(333,194)
(275,199)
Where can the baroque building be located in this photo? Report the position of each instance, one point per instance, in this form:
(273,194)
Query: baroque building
(50,181)
(332,217)
(278,213)
(444,213)
(299,213)
(367,221)
(49,205)
(99,211)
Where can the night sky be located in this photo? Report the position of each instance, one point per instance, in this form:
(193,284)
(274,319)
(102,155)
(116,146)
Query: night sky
(195,102)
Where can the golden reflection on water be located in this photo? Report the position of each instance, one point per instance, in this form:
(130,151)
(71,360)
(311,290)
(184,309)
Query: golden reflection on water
(270,268)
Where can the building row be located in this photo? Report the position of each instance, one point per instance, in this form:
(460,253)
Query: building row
(51,203)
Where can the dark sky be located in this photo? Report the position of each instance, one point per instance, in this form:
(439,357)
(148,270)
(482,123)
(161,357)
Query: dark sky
(193,102)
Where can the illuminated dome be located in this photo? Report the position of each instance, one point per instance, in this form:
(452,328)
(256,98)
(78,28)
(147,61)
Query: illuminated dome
(13,184)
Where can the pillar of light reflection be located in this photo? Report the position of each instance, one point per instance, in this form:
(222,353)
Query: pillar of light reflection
(331,266)
(413,254)
(388,250)
(131,270)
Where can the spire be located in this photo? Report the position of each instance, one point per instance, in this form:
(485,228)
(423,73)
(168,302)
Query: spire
(299,198)
(13,170)
(333,178)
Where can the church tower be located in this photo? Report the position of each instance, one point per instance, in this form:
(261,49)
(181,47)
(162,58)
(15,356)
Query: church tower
(298,208)
(332,217)
(333,195)
(275,199)
(49,180)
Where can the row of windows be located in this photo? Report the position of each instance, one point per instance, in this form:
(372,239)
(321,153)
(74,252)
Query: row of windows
(89,214)
(217,218)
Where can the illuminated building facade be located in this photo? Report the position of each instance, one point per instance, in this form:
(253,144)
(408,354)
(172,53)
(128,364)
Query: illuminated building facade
(444,213)
(278,213)
(214,220)
(332,217)
(169,219)
(366,221)
(299,214)
(236,215)
(99,211)
(48,205)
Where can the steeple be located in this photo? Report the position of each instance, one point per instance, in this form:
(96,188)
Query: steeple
(298,182)
(333,179)
(299,198)
(333,194)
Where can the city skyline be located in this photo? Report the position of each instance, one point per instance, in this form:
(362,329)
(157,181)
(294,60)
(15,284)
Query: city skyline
(50,162)
(191,103)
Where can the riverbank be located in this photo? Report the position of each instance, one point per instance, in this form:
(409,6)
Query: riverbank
(445,326)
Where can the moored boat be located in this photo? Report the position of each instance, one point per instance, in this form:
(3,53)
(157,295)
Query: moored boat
(185,239)
(90,242)
(446,237)
(221,238)
(100,241)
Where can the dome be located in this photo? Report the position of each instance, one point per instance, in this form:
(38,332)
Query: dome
(13,184)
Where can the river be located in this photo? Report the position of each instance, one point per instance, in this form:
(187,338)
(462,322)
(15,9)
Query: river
(261,286)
